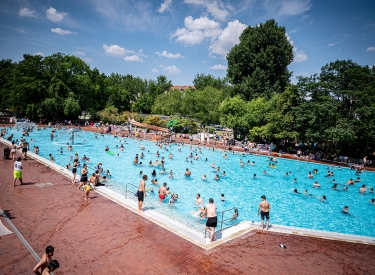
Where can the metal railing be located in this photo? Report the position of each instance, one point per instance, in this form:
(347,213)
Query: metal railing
(131,189)
(222,221)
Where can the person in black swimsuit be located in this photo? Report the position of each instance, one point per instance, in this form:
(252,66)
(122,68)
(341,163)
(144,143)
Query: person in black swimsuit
(83,176)
(74,171)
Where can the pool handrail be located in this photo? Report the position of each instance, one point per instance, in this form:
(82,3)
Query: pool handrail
(127,190)
(224,220)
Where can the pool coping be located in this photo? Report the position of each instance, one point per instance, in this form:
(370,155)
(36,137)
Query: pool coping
(192,235)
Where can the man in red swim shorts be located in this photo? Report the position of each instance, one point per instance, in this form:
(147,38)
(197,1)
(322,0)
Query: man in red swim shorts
(162,191)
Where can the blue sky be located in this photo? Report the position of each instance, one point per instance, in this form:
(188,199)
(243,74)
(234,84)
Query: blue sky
(182,38)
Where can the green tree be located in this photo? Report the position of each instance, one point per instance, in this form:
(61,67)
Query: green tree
(258,65)
(202,81)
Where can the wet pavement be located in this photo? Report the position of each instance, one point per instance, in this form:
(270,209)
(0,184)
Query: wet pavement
(101,237)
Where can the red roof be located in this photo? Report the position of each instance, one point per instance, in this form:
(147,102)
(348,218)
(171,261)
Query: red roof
(182,88)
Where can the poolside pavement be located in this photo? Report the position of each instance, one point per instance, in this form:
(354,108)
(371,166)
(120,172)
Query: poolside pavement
(102,237)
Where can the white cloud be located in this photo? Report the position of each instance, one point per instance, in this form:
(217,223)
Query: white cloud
(196,30)
(331,44)
(218,67)
(130,15)
(61,32)
(88,59)
(171,69)
(133,58)
(26,12)
(21,31)
(294,31)
(79,53)
(39,53)
(154,70)
(54,15)
(372,49)
(227,38)
(169,55)
(299,56)
(216,8)
(116,50)
(202,23)
(287,7)
(165,6)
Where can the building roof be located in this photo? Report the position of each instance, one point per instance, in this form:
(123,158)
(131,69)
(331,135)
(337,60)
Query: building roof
(182,88)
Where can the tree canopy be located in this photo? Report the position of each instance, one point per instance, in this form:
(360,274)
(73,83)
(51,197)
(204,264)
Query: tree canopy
(258,65)
(334,110)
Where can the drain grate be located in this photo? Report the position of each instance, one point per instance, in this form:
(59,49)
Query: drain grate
(43,184)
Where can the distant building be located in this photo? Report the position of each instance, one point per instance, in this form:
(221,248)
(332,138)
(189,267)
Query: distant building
(182,88)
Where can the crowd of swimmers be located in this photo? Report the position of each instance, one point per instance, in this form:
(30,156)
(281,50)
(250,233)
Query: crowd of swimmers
(100,177)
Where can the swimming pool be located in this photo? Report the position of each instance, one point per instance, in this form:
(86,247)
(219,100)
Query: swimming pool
(239,186)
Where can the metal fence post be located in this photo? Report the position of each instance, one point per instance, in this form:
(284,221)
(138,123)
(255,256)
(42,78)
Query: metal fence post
(222,218)
(126,191)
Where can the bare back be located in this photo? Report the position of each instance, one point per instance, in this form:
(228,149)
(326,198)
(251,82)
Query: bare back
(211,210)
(141,185)
(265,206)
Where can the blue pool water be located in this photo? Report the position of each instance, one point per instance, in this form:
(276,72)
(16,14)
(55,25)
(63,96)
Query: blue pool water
(240,188)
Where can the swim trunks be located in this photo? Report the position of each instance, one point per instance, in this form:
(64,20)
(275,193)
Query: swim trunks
(83,178)
(140,196)
(161,196)
(17,174)
(211,222)
(24,150)
(264,214)
(74,170)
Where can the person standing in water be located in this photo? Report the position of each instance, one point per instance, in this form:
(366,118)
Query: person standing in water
(264,211)
(141,192)
(211,223)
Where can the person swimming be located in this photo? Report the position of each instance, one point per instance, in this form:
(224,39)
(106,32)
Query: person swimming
(345,210)
(204,177)
(296,191)
(235,215)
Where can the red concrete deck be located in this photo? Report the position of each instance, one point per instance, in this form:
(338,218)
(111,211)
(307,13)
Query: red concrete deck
(101,237)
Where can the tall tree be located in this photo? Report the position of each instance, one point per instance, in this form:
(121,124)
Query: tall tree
(202,81)
(258,65)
